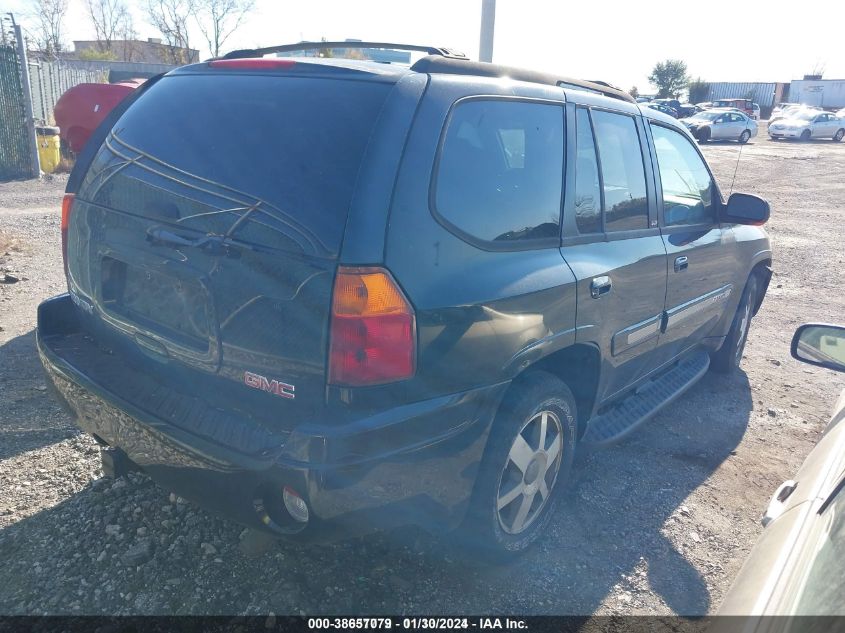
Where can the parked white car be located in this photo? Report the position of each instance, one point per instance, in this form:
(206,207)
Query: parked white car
(778,110)
(722,125)
(791,111)
(807,124)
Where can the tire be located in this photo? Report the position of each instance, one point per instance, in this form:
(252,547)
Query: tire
(743,138)
(840,134)
(703,135)
(727,358)
(508,511)
(805,135)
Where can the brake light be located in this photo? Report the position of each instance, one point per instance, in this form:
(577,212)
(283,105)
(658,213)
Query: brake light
(267,63)
(373,333)
(67,207)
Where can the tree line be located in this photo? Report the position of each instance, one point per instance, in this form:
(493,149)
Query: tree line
(113,25)
(670,77)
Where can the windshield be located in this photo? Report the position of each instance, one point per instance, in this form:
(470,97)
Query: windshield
(708,116)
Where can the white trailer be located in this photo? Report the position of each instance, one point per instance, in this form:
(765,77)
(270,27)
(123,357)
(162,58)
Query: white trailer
(824,93)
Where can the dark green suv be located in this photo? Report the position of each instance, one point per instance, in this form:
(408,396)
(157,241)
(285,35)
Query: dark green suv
(319,293)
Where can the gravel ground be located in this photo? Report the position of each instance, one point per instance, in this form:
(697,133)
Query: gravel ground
(656,525)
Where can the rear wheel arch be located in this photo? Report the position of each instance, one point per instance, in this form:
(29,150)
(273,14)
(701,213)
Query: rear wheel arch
(577,366)
(762,270)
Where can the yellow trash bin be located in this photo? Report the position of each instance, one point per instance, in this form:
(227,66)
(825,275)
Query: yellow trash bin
(49,148)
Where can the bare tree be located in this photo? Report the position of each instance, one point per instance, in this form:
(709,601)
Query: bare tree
(170,17)
(48,32)
(109,18)
(218,19)
(127,35)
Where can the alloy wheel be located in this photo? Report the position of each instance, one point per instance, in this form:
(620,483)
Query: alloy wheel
(743,330)
(530,473)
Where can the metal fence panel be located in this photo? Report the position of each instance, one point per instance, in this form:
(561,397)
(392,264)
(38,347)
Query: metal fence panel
(49,81)
(762,93)
(15,146)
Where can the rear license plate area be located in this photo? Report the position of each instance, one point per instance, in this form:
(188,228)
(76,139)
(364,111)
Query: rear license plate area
(159,303)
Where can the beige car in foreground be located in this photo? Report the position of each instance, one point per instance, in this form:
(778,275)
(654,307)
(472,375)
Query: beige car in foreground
(797,568)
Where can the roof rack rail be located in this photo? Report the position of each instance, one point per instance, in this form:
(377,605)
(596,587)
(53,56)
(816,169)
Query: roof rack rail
(310,46)
(435,64)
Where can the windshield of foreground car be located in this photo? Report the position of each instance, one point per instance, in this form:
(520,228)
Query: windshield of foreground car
(825,584)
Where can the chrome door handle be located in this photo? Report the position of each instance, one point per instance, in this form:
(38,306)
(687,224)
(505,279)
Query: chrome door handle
(681,263)
(600,286)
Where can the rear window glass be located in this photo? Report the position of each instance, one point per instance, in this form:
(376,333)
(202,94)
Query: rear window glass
(623,174)
(500,173)
(269,160)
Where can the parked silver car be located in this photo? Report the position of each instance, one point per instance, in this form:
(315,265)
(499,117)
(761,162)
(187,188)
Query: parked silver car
(807,124)
(725,124)
(791,111)
(795,568)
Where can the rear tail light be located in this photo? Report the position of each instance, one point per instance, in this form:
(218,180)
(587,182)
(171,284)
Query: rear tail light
(373,333)
(67,207)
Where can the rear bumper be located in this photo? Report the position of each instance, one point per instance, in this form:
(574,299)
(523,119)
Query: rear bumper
(413,464)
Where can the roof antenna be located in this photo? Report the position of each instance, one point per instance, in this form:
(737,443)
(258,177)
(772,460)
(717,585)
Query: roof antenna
(735,170)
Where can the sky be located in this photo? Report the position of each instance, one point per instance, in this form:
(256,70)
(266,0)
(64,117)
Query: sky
(614,41)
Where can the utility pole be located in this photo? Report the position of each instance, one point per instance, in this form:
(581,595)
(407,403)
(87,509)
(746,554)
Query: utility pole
(488,27)
(27,99)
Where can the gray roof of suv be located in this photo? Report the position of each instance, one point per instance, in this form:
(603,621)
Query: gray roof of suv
(439,64)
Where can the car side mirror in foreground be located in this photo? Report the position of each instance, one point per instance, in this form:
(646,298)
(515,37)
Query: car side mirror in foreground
(743,208)
(821,345)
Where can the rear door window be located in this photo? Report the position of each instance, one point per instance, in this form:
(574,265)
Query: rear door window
(269,160)
(587,185)
(622,171)
(500,171)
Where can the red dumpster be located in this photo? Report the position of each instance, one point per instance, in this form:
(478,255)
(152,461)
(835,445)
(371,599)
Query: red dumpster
(80,110)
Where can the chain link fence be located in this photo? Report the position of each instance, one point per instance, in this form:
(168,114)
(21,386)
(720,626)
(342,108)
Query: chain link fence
(49,81)
(15,145)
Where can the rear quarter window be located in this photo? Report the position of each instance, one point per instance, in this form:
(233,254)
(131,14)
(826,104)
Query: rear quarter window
(499,173)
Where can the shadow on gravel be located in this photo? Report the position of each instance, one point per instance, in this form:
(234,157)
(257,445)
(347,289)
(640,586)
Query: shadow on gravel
(125,547)
(812,141)
(29,417)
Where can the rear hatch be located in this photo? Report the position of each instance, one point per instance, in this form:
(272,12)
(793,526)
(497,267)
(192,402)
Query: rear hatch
(204,237)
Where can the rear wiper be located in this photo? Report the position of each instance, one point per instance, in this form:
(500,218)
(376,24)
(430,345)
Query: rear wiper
(212,244)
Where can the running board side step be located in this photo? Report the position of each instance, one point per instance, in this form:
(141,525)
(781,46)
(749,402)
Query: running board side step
(623,418)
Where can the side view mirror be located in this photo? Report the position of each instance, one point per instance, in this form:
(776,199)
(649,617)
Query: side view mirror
(821,345)
(743,208)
